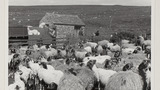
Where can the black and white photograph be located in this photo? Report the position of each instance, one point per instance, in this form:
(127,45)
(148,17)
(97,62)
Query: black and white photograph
(79,44)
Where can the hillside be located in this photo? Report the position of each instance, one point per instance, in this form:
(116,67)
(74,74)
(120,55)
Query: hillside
(107,19)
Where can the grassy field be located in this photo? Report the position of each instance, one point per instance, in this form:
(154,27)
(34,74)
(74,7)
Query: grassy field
(107,19)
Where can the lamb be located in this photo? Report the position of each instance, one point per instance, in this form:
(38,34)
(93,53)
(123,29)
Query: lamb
(18,83)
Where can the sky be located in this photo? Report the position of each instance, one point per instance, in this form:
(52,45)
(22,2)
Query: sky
(80,2)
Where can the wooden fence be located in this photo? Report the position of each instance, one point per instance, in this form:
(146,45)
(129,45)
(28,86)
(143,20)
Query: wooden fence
(55,41)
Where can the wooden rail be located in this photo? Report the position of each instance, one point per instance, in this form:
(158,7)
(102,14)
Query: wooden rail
(26,41)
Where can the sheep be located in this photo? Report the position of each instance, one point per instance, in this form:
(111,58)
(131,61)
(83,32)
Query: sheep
(70,82)
(125,42)
(86,76)
(127,51)
(88,49)
(34,66)
(42,25)
(18,83)
(103,43)
(26,72)
(98,50)
(49,76)
(43,47)
(13,65)
(32,32)
(99,59)
(10,58)
(131,50)
(91,44)
(127,80)
(145,44)
(79,55)
(114,47)
(127,45)
(52,52)
(46,66)
(128,66)
(145,71)
(148,52)
(35,47)
(62,53)
(102,75)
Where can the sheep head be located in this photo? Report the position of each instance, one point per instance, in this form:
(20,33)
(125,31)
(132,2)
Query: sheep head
(91,63)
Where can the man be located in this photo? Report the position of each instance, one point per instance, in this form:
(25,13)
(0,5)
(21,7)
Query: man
(52,31)
(96,33)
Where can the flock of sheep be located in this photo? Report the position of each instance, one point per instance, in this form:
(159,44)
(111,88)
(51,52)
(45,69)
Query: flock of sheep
(83,66)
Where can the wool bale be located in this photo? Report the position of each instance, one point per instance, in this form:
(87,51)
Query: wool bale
(70,82)
(125,81)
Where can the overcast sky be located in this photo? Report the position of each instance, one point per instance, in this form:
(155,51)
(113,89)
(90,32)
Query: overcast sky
(80,2)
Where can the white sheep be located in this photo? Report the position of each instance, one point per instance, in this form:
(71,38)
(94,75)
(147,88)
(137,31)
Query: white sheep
(10,57)
(26,72)
(125,41)
(99,59)
(79,54)
(43,47)
(99,49)
(34,66)
(51,52)
(101,74)
(103,43)
(91,44)
(88,49)
(18,83)
(50,76)
(32,32)
(42,25)
(62,53)
(128,51)
(114,48)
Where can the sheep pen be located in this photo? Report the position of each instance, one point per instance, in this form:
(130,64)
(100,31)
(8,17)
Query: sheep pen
(125,81)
